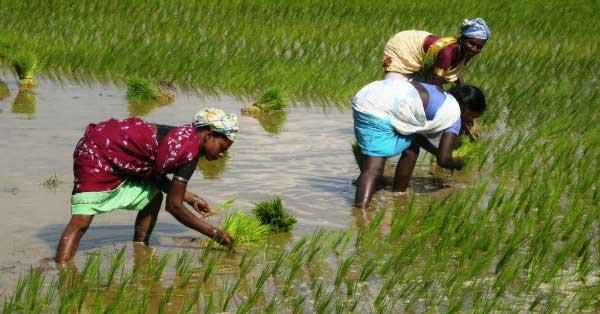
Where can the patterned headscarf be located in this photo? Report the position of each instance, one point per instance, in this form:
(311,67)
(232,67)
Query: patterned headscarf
(475,28)
(218,121)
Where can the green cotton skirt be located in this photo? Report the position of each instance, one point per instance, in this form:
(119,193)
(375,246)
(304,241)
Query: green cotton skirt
(129,195)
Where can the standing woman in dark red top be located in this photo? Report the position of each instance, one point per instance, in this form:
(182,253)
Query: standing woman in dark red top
(424,57)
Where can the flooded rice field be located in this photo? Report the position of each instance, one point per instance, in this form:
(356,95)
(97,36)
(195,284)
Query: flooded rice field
(306,160)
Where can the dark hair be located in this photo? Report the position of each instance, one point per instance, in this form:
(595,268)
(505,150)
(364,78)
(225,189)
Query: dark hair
(214,133)
(469,97)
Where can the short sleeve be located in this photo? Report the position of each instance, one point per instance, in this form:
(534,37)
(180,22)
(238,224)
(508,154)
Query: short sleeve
(444,57)
(454,128)
(186,171)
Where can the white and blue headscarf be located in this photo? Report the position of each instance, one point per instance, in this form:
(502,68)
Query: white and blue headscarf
(475,28)
(218,121)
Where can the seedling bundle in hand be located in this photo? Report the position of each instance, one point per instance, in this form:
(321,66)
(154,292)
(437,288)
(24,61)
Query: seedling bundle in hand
(244,228)
(268,217)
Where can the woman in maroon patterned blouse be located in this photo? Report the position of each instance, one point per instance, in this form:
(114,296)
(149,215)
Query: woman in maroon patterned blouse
(122,164)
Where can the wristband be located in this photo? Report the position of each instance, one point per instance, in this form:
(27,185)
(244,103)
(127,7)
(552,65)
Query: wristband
(193,199)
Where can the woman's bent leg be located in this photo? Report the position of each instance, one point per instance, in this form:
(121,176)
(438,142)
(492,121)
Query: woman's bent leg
(69,241)
(146,219)
(365,185)
(405,167)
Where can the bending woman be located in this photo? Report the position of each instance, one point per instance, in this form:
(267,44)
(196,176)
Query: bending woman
(425,57)
(388,114)
(122,164)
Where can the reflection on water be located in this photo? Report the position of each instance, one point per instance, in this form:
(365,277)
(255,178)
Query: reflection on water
(140,108)
(272,123)
(212,169)
(4,92)
(25,103)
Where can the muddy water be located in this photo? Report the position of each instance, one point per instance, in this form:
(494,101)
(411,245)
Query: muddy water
(307,161)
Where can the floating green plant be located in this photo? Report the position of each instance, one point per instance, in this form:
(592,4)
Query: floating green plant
(25,103)
(25,64)
(271,101)
(212,169)
(244,228)
(273,214)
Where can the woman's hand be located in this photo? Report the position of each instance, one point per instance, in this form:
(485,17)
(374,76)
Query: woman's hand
(222,238)
(459,163)
(200,206)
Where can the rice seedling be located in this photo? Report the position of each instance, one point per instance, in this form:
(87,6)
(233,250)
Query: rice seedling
(210,266)
(183,268)
(116,263)
(273,214)
(272,100)
(26,65)
(165,300)
(143,90)
(156,267)
(343,270)
(244,228)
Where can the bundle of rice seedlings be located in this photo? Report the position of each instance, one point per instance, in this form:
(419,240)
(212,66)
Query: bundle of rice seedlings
(272,213)
(272,100)
(25,64)
(358,156)
(462,146)
(139,89)
(244,228)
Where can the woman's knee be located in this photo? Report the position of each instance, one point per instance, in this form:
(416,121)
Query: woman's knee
(373,166)
(80,223)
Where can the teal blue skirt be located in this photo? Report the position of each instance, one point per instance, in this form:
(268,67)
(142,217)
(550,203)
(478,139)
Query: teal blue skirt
(377,137)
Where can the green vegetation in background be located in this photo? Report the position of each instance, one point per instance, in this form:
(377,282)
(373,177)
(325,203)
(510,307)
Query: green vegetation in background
(312,49)
(526,240)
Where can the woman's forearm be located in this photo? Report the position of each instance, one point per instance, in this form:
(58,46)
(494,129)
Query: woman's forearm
(191,221)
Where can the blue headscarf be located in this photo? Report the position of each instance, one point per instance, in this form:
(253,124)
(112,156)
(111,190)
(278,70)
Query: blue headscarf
(475,28)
